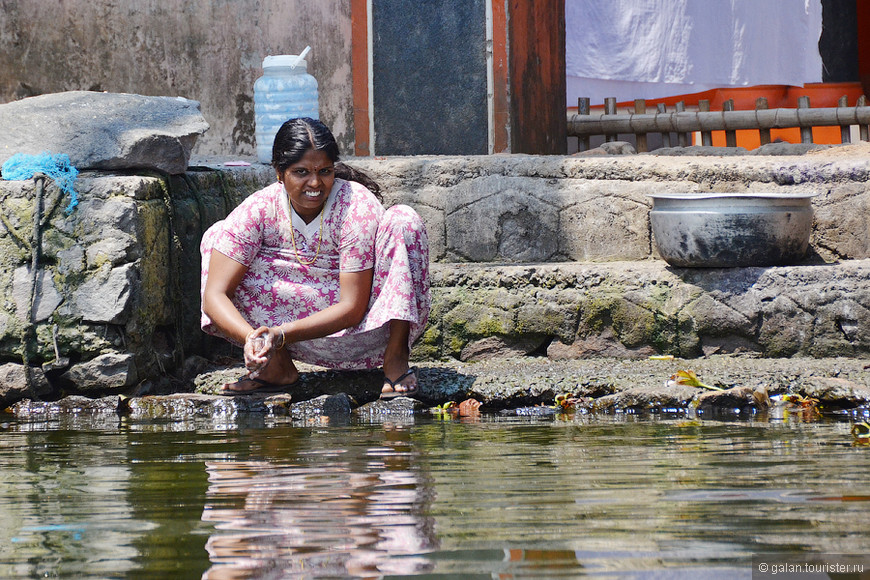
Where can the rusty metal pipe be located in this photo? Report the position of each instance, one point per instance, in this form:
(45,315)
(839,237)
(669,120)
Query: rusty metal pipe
(689,121)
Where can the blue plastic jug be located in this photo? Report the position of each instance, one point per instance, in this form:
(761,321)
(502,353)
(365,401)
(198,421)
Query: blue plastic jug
(283,92)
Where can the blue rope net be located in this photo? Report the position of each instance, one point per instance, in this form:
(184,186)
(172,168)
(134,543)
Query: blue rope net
(22,166)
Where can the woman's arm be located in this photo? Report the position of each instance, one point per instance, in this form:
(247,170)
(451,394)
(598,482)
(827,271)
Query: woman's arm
(355,289)
(224,276)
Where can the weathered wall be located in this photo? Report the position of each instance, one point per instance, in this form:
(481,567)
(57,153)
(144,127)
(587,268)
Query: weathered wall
(638,309)
(120,275)
(117,286)
(519,208)
(211,52)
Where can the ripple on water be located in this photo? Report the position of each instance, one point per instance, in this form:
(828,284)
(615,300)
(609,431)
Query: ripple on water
(524,498)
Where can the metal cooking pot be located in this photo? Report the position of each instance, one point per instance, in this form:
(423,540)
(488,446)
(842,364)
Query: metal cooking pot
(720,230)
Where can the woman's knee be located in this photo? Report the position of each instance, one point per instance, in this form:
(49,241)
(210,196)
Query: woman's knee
(401,215)
(401,219)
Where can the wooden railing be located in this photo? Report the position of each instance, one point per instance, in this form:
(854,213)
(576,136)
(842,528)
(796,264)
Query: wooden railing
(639,123)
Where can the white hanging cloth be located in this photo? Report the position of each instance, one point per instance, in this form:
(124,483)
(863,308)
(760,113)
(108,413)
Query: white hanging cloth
(632,49)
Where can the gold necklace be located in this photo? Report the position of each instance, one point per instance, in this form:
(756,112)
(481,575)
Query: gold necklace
(319,241)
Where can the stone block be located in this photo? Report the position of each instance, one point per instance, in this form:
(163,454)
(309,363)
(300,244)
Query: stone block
(106,299)
(46,297)
(13,383)
(108,372)
(632,310)
(104,130)
(506,223)
(595,229)
(841,221)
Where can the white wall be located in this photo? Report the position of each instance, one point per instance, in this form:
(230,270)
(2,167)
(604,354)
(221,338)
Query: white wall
(207,50)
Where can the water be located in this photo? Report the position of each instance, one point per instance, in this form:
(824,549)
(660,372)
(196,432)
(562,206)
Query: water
(493,498)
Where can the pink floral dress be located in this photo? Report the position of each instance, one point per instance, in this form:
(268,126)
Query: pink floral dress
(354,233)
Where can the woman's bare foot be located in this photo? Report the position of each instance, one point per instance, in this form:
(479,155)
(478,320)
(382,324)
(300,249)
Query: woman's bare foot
(404,386)
(399,378)
(278,374)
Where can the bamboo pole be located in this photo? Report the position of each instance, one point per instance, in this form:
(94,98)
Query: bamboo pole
(610,109)
(689,121)
(845,132)
(730,134)
(682,138)
(583,109)
(763,134)
(666,135)
(706,136)
(806,132)
(640,138)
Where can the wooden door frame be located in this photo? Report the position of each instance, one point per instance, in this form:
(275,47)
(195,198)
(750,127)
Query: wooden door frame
(498,97)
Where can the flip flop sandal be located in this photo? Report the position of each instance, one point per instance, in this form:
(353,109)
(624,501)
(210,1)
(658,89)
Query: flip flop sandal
(409,390)
(265,387)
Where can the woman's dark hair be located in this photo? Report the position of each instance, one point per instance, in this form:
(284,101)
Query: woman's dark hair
(297,136)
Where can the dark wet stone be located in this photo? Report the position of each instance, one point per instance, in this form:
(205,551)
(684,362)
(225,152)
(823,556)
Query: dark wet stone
(398,407)
(339,405)
(189,405)
(653,398)
(108,372)
(72,405)
(737,398)
(13,383)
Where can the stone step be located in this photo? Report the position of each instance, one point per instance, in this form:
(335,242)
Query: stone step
(528,209)
(542,255)
(634,309)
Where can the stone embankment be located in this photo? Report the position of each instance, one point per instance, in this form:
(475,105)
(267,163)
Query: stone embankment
(766,389)
(545,280)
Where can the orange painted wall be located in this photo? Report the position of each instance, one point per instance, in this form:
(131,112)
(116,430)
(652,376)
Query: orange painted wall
(778,96)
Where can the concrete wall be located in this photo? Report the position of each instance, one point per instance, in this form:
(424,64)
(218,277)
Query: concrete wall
(206,50)
(557,253)
(520,208)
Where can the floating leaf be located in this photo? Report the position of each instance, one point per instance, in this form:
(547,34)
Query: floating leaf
(861,431)
(690,379)
(567,401)
(444,410)
(800,400)
(469,408)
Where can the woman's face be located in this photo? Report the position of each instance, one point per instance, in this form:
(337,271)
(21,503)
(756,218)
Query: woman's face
(308,183)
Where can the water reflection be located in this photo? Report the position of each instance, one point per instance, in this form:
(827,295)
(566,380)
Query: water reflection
(489,498)
(350,510)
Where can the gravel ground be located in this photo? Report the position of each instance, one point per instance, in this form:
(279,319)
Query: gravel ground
(517,382)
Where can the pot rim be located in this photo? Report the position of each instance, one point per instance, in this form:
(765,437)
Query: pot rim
(744,195)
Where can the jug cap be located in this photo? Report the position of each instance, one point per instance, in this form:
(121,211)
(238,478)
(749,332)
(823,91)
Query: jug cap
(284,60)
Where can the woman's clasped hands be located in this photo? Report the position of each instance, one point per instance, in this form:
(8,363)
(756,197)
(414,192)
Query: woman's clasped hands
(261,345)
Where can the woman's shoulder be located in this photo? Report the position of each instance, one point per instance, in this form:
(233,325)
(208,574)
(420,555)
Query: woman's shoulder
(356,192)
(270,192)
(262,199)
(256,208)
